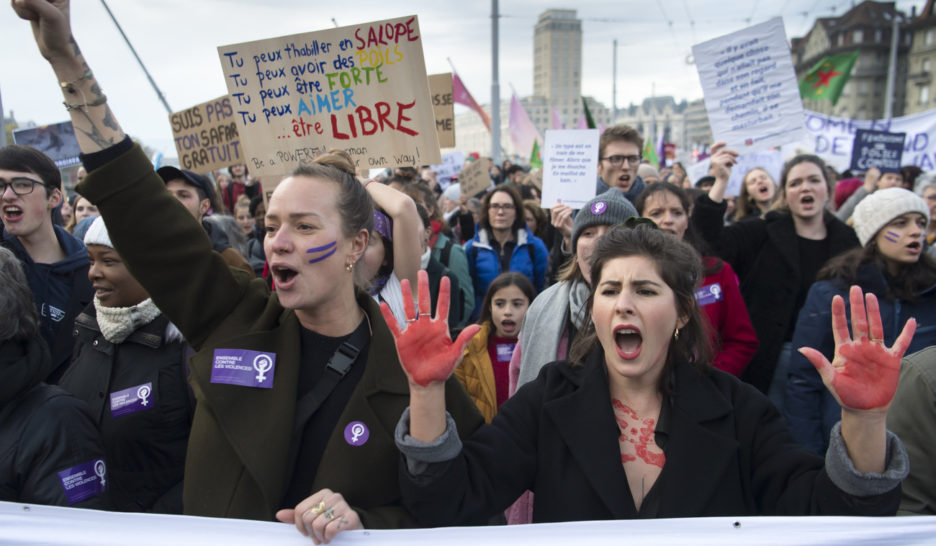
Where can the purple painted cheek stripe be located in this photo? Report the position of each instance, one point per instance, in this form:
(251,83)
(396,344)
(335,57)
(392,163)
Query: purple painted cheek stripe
(332,245)
(891,236)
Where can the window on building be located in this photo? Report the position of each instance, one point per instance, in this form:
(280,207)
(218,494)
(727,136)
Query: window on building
(857,36)
(925,65)
(924,95)
(863,87)
(841,39)
(878,36)
(928,37)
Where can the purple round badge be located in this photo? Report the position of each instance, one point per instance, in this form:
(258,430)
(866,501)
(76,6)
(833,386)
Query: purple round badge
(356,433)
(599,207)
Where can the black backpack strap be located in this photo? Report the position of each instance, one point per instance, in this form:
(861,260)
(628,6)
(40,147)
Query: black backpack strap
(446,252)
(338,366)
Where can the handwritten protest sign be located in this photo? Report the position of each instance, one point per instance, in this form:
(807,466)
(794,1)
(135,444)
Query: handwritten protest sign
(751,93)
(451,165)
(443,105)
(877,149)
(570,167)
(56,141)
(474,178)
(206,136)
(361,88)
(770,161)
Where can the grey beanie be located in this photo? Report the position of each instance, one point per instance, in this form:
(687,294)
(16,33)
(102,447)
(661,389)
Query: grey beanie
(881,207)
(608,209)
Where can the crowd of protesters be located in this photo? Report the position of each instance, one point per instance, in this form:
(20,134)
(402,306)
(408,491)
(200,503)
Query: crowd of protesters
(180,343)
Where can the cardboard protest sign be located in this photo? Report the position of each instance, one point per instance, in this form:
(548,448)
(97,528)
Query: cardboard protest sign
(474,178)
(751,93)
(877,149)
(56,141)
(451,165)
(570,167)
(443,105)
(361,88)
(206,136)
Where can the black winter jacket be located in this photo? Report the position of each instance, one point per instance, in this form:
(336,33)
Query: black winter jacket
(145,443)
(46,435)
(764,253)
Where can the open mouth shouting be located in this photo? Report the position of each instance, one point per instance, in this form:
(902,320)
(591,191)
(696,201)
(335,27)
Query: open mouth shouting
(508,326)
(628,341)
(283,275)
(12,213)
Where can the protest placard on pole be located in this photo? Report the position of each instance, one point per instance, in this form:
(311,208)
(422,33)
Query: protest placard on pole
(570,167)
(56,141)
(474,178)
(360,88)
(206,136)
(443,104)
(751,93)
(877,149)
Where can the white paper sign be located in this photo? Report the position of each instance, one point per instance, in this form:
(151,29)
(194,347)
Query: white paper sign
(570,167)
(751,93)
(451,165)
(769,160)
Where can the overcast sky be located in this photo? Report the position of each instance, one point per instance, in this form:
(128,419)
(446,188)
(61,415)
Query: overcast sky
(178,40)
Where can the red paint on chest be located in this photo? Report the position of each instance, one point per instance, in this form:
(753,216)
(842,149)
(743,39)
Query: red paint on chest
(638,433)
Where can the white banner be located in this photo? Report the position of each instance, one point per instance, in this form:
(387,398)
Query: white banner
(769,160)
(831,138)
(25,525)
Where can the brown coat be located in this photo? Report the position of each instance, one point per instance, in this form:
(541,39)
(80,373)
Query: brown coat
(236,464)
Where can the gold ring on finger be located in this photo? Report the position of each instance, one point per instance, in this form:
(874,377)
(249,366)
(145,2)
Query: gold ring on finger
(329,514)
(318,508)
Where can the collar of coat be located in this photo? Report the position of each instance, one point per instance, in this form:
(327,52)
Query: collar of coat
(700,446)
(483,238)
(782,230)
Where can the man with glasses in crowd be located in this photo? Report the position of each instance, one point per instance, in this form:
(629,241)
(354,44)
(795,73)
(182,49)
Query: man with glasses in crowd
(618,158)
(55,262)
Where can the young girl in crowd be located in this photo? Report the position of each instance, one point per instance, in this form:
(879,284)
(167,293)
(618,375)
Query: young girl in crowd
(242,215)
(892,264)
(718,295)
(758,193)
(484,370)
(129,366)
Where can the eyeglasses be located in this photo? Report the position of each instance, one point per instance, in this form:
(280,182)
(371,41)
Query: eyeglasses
(497,206)
(21,186)
(618,160)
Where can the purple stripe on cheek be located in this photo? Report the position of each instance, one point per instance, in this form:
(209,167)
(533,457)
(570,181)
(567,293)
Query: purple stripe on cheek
(321,248)
(320,258)
(891,236)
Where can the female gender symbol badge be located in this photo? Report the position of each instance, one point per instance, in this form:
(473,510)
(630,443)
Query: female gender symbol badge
(599,207)
(101,470)
(143,393)
(262,363)
(356,433)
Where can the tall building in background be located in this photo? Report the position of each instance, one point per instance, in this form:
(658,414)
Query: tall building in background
(921,62)
(557,62)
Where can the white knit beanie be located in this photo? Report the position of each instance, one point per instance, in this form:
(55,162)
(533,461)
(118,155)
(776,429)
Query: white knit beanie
(97,234)
(881,207)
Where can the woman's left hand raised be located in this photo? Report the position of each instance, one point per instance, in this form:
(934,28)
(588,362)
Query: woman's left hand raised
(863,374)
(425,349)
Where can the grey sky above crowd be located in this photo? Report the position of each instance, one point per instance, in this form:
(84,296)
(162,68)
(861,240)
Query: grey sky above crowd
(178,39)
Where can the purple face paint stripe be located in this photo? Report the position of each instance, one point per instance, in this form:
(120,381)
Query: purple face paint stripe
(891,236)
(321,248)
(320,258)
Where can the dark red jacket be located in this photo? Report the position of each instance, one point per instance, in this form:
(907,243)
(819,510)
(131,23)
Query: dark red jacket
(732,335)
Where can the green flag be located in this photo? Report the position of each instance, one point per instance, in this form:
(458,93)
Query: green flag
(535,160)
(588,117)
(827,78)
(650,154)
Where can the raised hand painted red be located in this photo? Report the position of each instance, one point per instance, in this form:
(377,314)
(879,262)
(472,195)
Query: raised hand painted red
(863,374)
(425,349)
